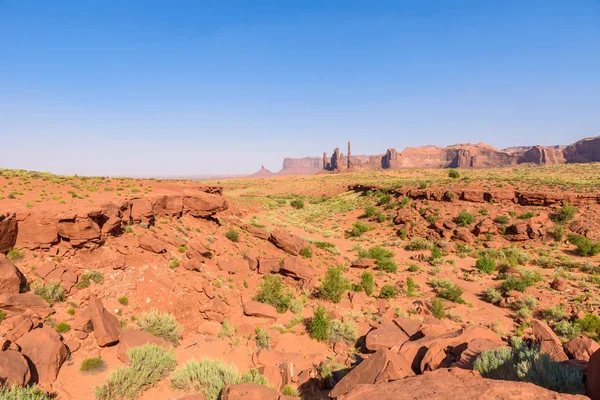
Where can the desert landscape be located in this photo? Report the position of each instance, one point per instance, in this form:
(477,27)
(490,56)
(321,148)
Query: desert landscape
(374,284)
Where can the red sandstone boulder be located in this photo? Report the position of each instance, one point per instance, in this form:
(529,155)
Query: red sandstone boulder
(14,369)
(409,326)
(388,335)
(23,303)
(472,195)
(167,205)
(10,277)
(79,230)
(107,327)
(267,265)
(255,309)
(248,391)
(559,284)
(255,231)
(592,386)
(8,232)
(204,204)
(383,366)
(286,241)
(295,268)
(36,231)
(43,347)
(132,338)
(581,348)
(549,342)
(152,244)
(363,263)
(464,235)
(466,354)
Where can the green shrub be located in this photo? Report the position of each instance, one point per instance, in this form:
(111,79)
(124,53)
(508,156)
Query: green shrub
(227,330)
(544,262)
(486,265)
(209,376)
(162,325)
(123,300)
(182,249)
(367,282)
(23,393)
(92,365)
(306,252)
(52,292)
(492,295)
(585,246)
(402,233)
(369,212)
(566,329)
(334,285)
(289,390)
(437,308)
(464,218)
(566,213)
(384,199)
(520,284)
(272,291)
(358,229)
(524,364)
(262,338)
(319,324)
(15,255)
(62,327)
(233,235)
(502,219)
(388,292)
(413,268)
(148,364)
(590,325)
(526,215)
(339,331)
(454,174)
(418,244)
(297,204)
(411,287)
(436,255)
(90,276)
(3,314)
(556,313)
(447,290)
(559,232)
(524,306)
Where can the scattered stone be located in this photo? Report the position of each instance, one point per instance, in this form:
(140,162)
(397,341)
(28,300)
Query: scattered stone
(134,337)
(107,327)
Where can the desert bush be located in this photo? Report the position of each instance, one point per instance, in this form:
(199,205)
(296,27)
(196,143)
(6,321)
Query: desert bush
(447,290)
(162,325)
(418,244)
(92,365)
(367,282)
(585,246)
(402,233)
(492,295)
(291,391)
(559,232)
(233,235)
(358,229)
(52,292)
(23,393)
(525,364)
(590,325)
(388,292)
(148,364)
(514,256)
(486,265)
(526,215)
(297,204)
(436,255)
(454,174)
(339,331)
(384,257)
(306,252)
(262,338)
(369,212)
(384,199)
(2,315)
(520,284)
(15,255)
(502,219)
(566,329)
(524,306)
(413,268)
(464,218)
(90,276)
(123,300)
(334,285)
(565,213)
(411,287)
(319,324)
(272,291)
(62,327)
(227,330)
(555,313)
(209,376)
(437,308)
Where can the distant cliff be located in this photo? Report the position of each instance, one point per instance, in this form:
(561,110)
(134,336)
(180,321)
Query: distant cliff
(301,166)
(583,151)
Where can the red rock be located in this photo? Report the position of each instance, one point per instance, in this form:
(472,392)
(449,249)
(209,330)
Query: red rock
(10,277)
(73,345)
(210,328)
(363,263)
(255,309)
(409,326)
(581,348)
(464,235)
(152,243)
(36,231)
(454,384)
(592,386)
(484,226)
(132,338)
(248,391)
(167,205)
(79,230)
(23,303)
(256,231)
(295,268)
(14,369)
(466,354)
(549,342)
(559,284)
(107,327)
(286,241)
(473,195)
(204,204)
(383,366)
(20,328)
(267,265)
(8,232)
(388,335)
(83,321)
(46,352)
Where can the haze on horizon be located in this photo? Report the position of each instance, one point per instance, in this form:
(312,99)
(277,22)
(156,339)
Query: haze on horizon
(166,88)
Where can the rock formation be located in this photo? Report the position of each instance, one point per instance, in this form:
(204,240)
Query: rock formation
(301,166)
(583,151)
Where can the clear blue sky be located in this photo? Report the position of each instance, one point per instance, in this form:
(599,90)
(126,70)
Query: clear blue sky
(138,87)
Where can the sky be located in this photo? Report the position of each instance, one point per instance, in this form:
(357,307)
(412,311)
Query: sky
(187,87)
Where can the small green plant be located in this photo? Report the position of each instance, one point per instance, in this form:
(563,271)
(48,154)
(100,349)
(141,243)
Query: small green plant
(358,229)
(502,219)
(289,390)
(262,338)
(527,215)
(62,327)
(70,311)
(162,325)
(566,329)
(52,292)
(92,365)
(174,263)
(123,300)
(339,331)
(403,233)
(233,235)
(306,252)
(559,232)
(413,268)
(182,249)
(334,285)
(148,364)
(15,255)
(272,291)
(565,213)
(437,308)
(411,287)
(384,257)
(388,292)
(520,284)
(492,295)
(585,246)
(227,330)
(90,276)
(367,282)
(590,325)
(319,324)
(297,203)
(454,174)
(2,315)
(447,290)
(418,244)
(486,265)
(464,218)
(22,393)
